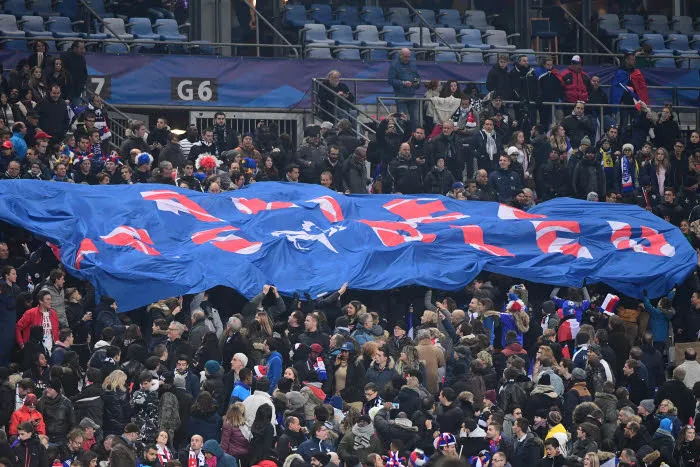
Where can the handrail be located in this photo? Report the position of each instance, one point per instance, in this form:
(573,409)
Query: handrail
(430,27)
(106,26)
(111,107)
(259,16)
(319,84)
(585,29)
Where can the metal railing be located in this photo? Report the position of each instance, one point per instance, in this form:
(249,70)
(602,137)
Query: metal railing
(119,129)
(582,27)
(341,108)
(274,29)
(104,25)
(428,25)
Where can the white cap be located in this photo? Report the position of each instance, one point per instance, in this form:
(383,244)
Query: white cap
(327,125)
(576,59)
(512,150)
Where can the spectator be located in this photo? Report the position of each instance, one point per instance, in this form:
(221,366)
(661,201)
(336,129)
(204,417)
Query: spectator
(498,80)
(575,81)
(53,114)
(404,78)
(504,181)
(578,125)
(76,67)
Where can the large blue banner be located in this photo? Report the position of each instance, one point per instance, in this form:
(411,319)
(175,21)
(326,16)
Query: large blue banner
(140,243)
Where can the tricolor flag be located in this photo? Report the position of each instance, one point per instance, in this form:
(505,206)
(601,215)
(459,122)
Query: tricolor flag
(609,304)
(568,330)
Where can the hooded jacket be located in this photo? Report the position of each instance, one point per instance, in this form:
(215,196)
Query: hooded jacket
(289,443)
(29,453)
(222,459)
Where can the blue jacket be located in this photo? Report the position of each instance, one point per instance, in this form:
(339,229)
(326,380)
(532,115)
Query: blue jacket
(506,183)
(400,72)
(361,335)
(208,426)
(19,145)
(658,321)
(240,391)
(222,459)
(312,446)
(274,369)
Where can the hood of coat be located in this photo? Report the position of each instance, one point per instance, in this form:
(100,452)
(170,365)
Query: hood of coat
(213,447)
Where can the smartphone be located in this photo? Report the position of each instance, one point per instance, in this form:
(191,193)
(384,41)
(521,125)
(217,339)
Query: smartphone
(394,405)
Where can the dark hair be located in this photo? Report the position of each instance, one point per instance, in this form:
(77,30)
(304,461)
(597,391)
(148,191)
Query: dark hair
(262,384)
(320,414)
(145,376)
(112,351)
(26,427)
(449,394)
(553,442)
(522,423)
(291,167)
(263,418)
(316,427)
(204,404)
(42,293)
(244,373)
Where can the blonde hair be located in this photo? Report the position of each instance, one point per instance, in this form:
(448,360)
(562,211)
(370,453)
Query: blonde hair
(265,324)
(430,316)
(546,352)
(593,459)
(666,163)
(235,416)
(115,380)
(671,408)
(485,357)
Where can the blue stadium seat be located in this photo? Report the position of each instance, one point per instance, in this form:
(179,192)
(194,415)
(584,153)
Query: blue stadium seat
(61,27)
(609,25)
(678,42)
(428,16)
(373,15)
(141,29)
(101,9)
(16,7)
(658,24)
(369,36)
(118,29)
(8,30)
(471,38)
(295,15)
(472,56)
(682,25)
(315,33)
(689,59)
(476,19)
(348,54)
(498,39)
(342,35)
(377,54)
(627,42)
(655,40)
(663,62)
(33,26)
(450,19)
(68,8)
(319,51)
(635,24)
(43,8)
(399,17)
(115,48)
(448,35)
(395,36)
(169,30)
(350,16)
(323,14)
(445,56)
(695,42)
(420,37)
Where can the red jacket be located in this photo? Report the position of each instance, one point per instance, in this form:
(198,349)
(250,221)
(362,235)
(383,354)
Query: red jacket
(24,414)
(576,85)
(33,317)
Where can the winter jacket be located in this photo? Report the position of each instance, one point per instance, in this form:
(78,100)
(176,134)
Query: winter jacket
(315,154)
(405,176)
(233,441)
(89,403)
(58,416)
(253,403)
(169,413)
(106,316)
(527,453)
(659,319)
(312,446)
(411,399)
(506,183)
(666,134)
(680,395)
(450,148)
(29,453)
(53,117)
(574,396)
(274,369)
(582,447)
(524,84)
(222,459)
(433,358)
(540,402)
(206,424)
(576,85)
(197,332)
(550,87)
(400,72)
(389,430)
(25,414)
(589,177)
(33,317)
(116,412)
(289,443)
(58,303)
(378,376)
(511,395)
(347,447)
(578,127)
(664,442)
(450,418)
(439,181)
(355,178)
(499,82)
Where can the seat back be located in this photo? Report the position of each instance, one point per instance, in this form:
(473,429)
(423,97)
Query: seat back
(42,7)
(446,56)
(373,15)
(496,37)
(321,13)
(319,53)
(393,34)
(448,35)
(678,42)
(8,23)
(627,41)
(476,19)
(341,33)
(99,7)
(414,35)
(349,54)
(428,16)
(60,24)
(539,25)
(450,18)
(664,62)
(609,24)
(140,26)
(682,25)
(33,24)
(115,48)
(15,7)
(696,42)
(367,33)
(470,37)
(294,14)
(658,24)
(116,25)
(634,23)
(655,40)
(399,17)
(349,15)
(68,8)
(315,32)
(472,57)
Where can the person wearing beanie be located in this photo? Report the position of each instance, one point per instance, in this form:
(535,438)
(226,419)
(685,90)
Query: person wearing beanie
(646,411)
(557,430)
(27,413)
(214,383)
(664,442)
(58,412)
(542,398)
(440,179)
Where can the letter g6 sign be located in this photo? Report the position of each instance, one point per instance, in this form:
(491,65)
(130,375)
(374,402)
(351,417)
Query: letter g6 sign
(194,89)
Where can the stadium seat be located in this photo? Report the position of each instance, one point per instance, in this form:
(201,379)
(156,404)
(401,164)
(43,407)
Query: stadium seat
(476,19)
(16,7)
(320,52)
(349,16)
(531,57)
(116,28)
(682,25)
(61,27)
(348,54)
(43,8)
(627,42)
(498,39)
(100,9)
(448,35)
(323,14)
(141,29)
(201,48)
(316,33)
(634,23)
(377,54)
(666,62)
(295,15)
(68,8)
(428,16)
(33,26)
(445,56)
(369,36)
(169,30)
(399,17)
(471,38)
(689,59)
(472,56)
(695,42)
(8,30)
(450,19)
(342,35)
(115,48)
(658,24)
(373,15)
(609,25)
(677,42)
(395,36)
(420,37)
(655,40)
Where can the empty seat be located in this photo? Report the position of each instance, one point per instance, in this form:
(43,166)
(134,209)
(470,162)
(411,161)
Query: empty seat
(420,37)
(169,30)
(16,7)
(348,54)
(318,51)
(695,42)
(323,14)
(395,36)
(342,35)
(43,8)
(428,16)
(627,42)
(62,28)
(682,25)
(33,26)
(100,9)
(373,15)
(471,38)
(689,59)
(141,29)
(658,24)
(450,19)
(476,19)
(8,26)
(68,8)
(116,27)
(369,36)
(315,33)
(295,15)
(448,35)
(399,17)
(665,62)
(445,56)
(634,23)
(377,54)
(350,16)
(115,48)
(677,42)
(609,25)
(472,56)
(498,39)
(655,40)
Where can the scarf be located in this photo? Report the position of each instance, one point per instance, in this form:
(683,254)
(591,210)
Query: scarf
(608,161)
(195,460)
(320,368)
(363,434)
(627,176)
(493,445)
(491,148)
(164,455)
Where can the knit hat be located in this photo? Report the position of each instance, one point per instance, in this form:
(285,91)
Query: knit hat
(578,375)
(30,399)
(443,440)
(342,322)
(648,405)
(55,384)
(585,140)
(403,421)
(554,418)
(131,428)
(545,379)
(595,348)
(336,402)
(490,395)
(144,159)
(418,458)
(549,307)
(592,196)
(628,146)
(212,367)
(666,424)
(401,324)
(295,400)
(327,125)
(471,123)
(457,185)
(316,348)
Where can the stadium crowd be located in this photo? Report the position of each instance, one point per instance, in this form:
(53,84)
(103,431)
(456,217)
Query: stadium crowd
(502,373)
